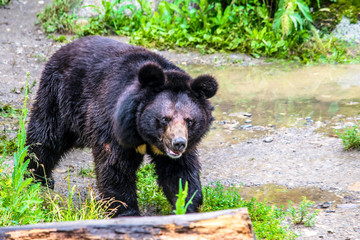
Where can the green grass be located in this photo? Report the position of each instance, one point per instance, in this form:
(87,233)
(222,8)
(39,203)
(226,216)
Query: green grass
(350,137)
(74,207)
(7,111)
(267,220)
(20,201)
(87,172)
(7,145)
(151,198)
(4,2)
(57,17)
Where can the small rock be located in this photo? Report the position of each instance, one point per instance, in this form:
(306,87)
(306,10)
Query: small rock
(60,170)
(329,211)
(248,121)
(309,233)
(355,187)
(247,114)
(308,119)
(246,126)
(19,50)
(349,124)
(325,204)
(268,139)
(348,206)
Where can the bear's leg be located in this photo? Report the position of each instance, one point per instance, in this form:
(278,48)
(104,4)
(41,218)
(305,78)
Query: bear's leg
(47,143)
(169,172)
(116,178)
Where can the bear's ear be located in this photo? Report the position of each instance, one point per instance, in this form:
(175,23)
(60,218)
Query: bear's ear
(151,74)
(205,85)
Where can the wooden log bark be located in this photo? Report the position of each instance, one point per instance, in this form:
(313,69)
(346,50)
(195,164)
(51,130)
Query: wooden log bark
(227,224)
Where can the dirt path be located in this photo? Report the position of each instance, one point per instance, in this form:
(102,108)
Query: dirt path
(295,159)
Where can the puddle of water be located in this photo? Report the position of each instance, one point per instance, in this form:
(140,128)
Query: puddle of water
(280,195)
(280,96)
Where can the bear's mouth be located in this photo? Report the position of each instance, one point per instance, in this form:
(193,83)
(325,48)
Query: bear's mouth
(172,153)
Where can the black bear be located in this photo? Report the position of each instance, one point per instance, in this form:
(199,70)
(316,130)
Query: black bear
(122,101)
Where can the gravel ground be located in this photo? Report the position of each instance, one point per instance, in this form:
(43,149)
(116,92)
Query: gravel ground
(291,158)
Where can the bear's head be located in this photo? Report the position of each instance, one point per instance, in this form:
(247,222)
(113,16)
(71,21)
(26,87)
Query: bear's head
(172,111)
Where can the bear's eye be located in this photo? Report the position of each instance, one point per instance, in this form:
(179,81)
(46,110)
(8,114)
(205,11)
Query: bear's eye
(189,122)
(165,120)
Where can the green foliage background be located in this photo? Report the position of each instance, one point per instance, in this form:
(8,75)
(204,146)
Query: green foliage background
(281,29)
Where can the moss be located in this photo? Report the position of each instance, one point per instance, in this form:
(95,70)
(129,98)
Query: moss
(7,145)
(330,13)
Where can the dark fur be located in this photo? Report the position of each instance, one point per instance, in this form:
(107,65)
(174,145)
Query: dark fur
(97,92)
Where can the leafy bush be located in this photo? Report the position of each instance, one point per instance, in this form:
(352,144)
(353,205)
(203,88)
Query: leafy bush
(350,137)
(150,196)
(303,214)
(244,26)
(57,17)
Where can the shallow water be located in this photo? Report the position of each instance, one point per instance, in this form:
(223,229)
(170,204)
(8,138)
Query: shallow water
(280,195)
(279,95)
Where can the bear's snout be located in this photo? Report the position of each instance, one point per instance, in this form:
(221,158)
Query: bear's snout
(175,138)
(179,144)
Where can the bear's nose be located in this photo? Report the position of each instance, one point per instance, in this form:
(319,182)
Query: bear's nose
(179,144)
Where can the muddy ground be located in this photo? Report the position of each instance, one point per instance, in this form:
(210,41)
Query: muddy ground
(296,162)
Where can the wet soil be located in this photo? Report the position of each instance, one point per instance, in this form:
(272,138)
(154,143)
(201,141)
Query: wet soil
(273,134)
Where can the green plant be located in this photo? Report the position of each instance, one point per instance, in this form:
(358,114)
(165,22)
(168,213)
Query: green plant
(6,111)
(4,2)
(151,198)
(292,15)
(56,17)
(303,214)
(21,90)
(350,137)
(267,220)
(73,207)
(7,145)
(20,202)
(181,205)
(87,172)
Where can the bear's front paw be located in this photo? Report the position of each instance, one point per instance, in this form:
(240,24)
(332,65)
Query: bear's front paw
(128,212)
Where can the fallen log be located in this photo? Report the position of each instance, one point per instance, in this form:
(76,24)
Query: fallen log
(227,224)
